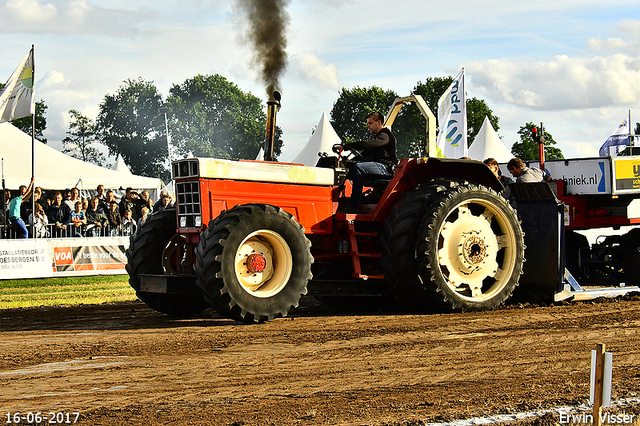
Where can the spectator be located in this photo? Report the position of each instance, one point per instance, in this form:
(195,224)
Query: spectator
(78,219)
(145,201)
(492,163)
(24,193)
(60,214)
(525,174)
(7,200)
(131,202)
(26,209)
(75,195)
(115,221)
(42,201)
(111,197)
(67,199)
(165,202)
(159,205)
(40,224)
(128,224)
(85,205)
(125,203)
(144,215)
(103,199)
(96,219)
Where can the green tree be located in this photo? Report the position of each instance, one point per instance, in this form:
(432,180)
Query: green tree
(129,124)
(349,112)
(477,110)
(82,135)
(528,150)
(212,117)
(26,123)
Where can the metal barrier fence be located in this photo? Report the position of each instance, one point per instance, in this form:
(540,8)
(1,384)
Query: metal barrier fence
(71,231)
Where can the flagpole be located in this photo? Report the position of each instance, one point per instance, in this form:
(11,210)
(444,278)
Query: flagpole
(33,140)
(631,135)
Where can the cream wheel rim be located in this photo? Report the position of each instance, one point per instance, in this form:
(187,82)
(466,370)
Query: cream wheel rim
(263,263)
(476,249)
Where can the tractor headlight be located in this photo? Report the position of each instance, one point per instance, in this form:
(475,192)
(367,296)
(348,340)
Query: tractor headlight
(183,221)
(198,221)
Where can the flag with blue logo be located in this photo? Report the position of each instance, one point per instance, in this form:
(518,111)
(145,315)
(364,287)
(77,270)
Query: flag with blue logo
(618,140)
(452,120)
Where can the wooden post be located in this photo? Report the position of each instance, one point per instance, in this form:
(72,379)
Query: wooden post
(597,390)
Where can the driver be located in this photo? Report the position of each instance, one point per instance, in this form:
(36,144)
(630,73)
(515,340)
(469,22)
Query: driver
(378,158)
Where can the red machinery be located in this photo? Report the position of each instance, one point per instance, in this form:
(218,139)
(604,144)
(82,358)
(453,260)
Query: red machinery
(250,238)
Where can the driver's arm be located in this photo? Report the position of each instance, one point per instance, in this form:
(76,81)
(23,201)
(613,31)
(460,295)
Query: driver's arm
(380,139)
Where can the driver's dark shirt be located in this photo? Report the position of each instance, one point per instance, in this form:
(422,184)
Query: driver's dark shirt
(381,148)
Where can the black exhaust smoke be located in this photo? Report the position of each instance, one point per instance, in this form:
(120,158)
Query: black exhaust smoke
(267,23)
(268,20)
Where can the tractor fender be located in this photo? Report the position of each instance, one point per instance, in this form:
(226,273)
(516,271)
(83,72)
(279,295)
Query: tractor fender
(411,173)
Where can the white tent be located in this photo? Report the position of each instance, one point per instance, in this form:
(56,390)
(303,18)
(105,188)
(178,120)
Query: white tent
(55,170)
(121,166)
(260,155)
(488,144)
(321,141)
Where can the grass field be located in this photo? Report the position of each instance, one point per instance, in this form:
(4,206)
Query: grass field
(65,291)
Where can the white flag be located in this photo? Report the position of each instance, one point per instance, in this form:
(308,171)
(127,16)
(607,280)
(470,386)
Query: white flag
(618,139)
(452,119)
(17,96)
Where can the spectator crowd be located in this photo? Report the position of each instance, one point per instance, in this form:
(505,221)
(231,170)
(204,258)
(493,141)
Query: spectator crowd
(70,213)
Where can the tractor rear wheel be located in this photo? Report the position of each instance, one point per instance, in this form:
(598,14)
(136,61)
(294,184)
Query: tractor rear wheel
(471,249)
(253,263)
(145,256)
(399,242)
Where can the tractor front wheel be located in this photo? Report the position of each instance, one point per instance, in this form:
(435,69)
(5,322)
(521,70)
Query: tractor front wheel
(253,263)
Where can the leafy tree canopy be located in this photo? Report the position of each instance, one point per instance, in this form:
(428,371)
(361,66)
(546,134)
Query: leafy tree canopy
(212,117)
(129,124)
(528,150)
(349,114)
(82,135)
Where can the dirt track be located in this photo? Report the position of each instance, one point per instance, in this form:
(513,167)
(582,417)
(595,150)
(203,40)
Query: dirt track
(127,365)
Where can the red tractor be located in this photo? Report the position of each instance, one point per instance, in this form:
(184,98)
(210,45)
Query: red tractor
(250,237)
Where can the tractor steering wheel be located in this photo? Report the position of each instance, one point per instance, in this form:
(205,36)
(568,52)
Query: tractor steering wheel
(352,155)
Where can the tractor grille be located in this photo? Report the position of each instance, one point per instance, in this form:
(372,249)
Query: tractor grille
(188,197)
(185,168)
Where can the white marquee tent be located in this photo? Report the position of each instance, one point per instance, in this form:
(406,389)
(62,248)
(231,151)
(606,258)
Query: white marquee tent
(55,170)
(488,144)
(120,165)
(321,141)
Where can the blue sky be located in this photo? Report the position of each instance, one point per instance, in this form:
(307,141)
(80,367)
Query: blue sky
(573,65)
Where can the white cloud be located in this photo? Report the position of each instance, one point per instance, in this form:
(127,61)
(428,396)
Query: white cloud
(53,80)
(29,12)
(75,17)
(78,10)
(562,83)
(310,67)
(606,45)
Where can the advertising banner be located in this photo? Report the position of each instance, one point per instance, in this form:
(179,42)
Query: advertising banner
(24,259)
(626,174)
(40,258)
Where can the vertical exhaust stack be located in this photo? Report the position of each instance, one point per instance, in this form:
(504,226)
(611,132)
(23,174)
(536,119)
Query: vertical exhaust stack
(273,106)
